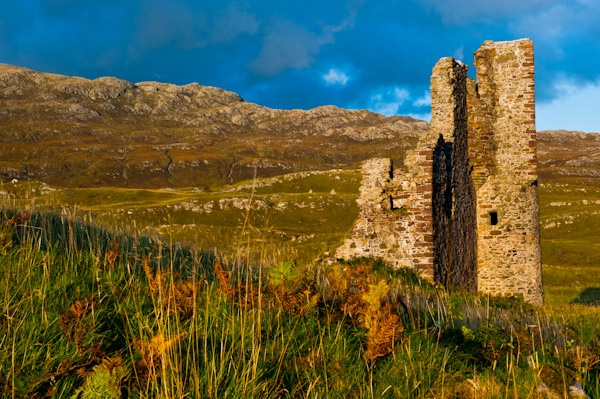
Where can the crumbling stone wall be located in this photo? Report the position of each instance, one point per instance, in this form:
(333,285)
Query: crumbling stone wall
(463,209)
(394,221)
(454,196)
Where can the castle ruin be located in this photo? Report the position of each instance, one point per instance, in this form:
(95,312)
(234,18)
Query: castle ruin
(464,208)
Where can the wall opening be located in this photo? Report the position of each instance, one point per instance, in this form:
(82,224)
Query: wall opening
(493,218)
(397,204)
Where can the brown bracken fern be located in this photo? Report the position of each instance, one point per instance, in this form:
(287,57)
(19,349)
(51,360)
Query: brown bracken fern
(383,325)
(17,219)
(173,294)
(113,254)
(153,353)
(225,285)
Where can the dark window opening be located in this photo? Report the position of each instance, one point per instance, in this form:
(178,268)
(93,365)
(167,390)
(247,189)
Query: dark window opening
(494,218)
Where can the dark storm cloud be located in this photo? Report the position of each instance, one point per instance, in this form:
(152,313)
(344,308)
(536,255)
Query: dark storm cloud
(162,23)
(286,45)
(231,22)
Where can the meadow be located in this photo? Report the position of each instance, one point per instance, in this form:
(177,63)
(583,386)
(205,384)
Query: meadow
(112,293)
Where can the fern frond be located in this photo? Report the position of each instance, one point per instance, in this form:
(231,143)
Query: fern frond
(381,340)
(105,381)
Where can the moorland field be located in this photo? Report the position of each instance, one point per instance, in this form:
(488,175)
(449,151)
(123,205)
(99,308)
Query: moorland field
(160,241)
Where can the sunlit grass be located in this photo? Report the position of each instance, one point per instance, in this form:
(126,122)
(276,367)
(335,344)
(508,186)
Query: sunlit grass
(106,309)
(111,318)
(305,214)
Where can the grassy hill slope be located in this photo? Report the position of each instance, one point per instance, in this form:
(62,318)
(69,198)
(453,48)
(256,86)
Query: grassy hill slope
(104,308)
(87,314)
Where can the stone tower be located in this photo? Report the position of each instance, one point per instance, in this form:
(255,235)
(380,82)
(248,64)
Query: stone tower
(502,137)
(453,205)
(464,209)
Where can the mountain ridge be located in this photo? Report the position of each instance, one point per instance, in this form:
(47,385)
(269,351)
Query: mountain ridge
(77,132)
(569,157)
(144,134)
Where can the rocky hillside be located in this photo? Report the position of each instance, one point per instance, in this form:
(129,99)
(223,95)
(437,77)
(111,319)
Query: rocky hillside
(569,157)
(76,132)
(71,131)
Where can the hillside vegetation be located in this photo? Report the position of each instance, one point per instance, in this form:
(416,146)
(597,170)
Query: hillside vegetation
(298,216)
(171,241)
(122,312)
(75,132)
(90,313)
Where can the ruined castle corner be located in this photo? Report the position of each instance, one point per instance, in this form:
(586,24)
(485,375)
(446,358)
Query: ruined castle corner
(463,208)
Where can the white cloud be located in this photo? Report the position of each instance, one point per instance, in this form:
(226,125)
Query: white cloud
(575,108)
(459,53)
(336,77)
(423,101)
(388,101)
(396,100)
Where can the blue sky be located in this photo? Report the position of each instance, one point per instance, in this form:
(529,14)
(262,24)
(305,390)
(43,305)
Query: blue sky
(373,54)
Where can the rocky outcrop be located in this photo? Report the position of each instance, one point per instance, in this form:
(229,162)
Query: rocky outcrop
(568,156)
(196,105)
(77,132)
(152,134)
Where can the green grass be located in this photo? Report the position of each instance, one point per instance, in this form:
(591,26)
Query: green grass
(297,214)
(85,316)
(569,219)
(303,214)
(570,215)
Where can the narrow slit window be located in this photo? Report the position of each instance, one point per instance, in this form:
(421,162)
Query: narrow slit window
(493,218)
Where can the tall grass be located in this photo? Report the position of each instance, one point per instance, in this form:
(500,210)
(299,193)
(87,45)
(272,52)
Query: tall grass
(90,313)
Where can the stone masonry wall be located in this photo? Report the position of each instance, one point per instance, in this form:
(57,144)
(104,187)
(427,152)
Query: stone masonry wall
(463,209)
(453,195)
(508,249)
(394,222)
